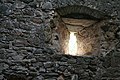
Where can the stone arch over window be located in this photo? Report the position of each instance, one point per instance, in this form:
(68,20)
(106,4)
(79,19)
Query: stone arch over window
(85,22)
(76,9)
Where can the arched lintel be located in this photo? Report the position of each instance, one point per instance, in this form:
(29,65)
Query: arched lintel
(79,9)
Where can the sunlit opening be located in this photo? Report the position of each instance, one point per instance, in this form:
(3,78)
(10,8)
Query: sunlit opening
(72,44)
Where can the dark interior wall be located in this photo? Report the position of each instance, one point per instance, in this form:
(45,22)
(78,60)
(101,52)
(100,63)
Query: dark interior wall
(25,43)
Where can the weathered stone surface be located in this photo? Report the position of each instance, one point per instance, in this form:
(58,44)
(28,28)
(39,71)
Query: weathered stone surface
(42,70)
(18,57)
(3,9)
(37,65)
(38,51)
(1,77)
(117,34)
(60,78)
(27,1)
(72,61)
(29,42)
(48,64)
(75,77)
(19,5)
(39,78)
(3,66)
(47,6)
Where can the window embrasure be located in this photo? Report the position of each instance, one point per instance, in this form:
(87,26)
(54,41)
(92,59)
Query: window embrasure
(79,26)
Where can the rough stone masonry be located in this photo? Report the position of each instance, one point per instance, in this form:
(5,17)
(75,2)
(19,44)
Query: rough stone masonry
(27,51)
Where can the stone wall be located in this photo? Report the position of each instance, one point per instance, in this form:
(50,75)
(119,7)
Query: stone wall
(25,43)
